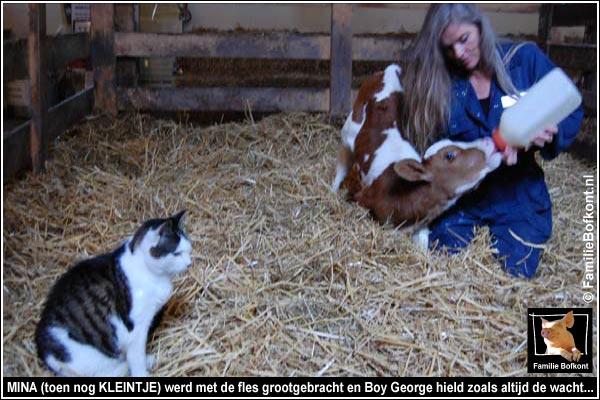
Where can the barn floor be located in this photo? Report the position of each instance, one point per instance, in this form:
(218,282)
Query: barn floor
(288,279)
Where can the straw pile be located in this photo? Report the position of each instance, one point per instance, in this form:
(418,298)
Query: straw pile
(288,278)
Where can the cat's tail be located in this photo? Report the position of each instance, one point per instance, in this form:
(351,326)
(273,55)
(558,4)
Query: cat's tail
(47,345)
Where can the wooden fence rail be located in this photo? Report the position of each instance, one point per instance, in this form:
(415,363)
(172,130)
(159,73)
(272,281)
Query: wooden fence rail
(26,145)
(107,45)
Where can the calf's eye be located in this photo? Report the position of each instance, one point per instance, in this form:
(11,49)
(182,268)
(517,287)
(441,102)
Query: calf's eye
(450,156)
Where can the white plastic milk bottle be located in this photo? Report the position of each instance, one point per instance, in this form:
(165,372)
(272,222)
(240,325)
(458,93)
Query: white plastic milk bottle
(546,103)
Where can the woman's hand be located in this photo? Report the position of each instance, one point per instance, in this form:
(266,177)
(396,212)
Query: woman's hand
(540,139)
(509,155)
(544,136)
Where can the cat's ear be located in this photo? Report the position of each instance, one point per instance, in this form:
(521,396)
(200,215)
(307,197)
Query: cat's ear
(178,219)
(165,227)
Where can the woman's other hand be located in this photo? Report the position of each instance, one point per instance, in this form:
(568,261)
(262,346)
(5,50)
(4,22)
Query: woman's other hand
(540,139)
(544,136)
(509,155)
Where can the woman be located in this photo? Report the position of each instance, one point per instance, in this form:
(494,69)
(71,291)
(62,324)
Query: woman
(457,83)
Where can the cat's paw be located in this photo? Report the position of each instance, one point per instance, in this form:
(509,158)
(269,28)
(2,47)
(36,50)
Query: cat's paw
(576,355)
(150,359)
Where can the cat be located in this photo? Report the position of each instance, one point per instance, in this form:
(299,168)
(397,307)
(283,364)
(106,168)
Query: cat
(558,340)
(100,313)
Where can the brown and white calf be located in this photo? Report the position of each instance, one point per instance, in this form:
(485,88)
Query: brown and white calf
(384,173)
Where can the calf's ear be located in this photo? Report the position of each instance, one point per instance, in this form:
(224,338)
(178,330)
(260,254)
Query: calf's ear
(412,171)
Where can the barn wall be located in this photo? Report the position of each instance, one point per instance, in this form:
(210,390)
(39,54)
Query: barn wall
(158,72)
(388,18)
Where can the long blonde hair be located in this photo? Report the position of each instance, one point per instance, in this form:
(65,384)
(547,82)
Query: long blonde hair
(427,79)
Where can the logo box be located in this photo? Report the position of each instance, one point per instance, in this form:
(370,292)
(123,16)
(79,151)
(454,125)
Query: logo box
(537,358)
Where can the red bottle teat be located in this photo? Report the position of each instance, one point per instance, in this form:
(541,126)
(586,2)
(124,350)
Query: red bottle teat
(498,141)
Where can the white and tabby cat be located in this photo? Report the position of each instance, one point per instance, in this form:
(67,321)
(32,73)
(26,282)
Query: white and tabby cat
(100,313)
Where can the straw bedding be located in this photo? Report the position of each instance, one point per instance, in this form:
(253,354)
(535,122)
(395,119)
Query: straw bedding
(288,279)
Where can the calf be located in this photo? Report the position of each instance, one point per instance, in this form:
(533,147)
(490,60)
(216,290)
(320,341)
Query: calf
(413,193)
(383,172)
(370,137)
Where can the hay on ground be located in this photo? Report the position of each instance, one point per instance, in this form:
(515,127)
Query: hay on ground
(288,279)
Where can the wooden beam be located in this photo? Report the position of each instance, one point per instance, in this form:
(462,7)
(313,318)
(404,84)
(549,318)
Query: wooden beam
(263,46)
(341,59)
(16,151)
(39,85)
(70,111)
(224,99)
(379,48)
(103,57)
(223,45)
(545,24)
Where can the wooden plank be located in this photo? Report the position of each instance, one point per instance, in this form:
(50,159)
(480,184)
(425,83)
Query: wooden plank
(70,111)
(268,46)
(16,151)
(574,56)
(103,57)
(66,48)
(223,45)
(127,68)
(284,46)
(341,59)
(15,62)
(39,85)
(224,99)
(379,48)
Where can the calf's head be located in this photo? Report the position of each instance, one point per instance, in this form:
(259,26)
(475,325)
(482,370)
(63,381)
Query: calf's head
(452,168)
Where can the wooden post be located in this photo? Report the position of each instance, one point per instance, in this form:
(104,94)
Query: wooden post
(341,59)
(545,25)
(39,86)
(103,57)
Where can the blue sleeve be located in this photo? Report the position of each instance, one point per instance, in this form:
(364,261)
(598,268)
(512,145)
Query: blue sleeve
(540,65)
